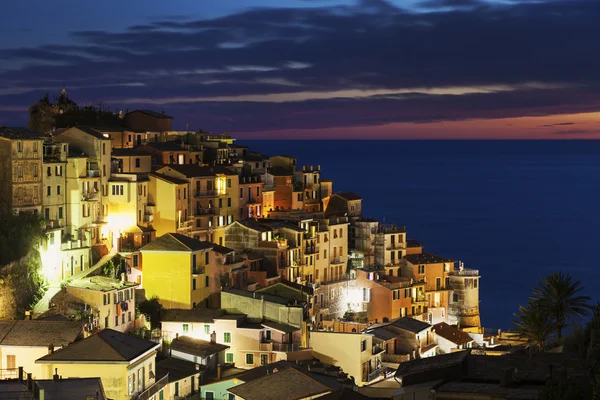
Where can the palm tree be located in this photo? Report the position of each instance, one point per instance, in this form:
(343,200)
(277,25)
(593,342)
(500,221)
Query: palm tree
(558,296)
(534,326)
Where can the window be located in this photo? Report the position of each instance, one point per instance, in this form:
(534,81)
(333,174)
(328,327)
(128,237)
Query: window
(209,395)
(226,337)
(229,202)
(11,361)
(123,318)
(129,316)
(257,191)
(19,171)
(207,281)
(106,322)
(228,183)
(135,260)
(35,170)
(206,258)
(117,190)
(60,212)
(130,384)
(186,328)
(229,358)
(184,193)
(116,320)
(49,171)
(231,397)
(268,334)
(58,170)
(49,190)
(103,148)
(206,329)
(193,263)
(20,147)
(161,395)
(249,359)
(264,359)
(193,284)
(58,190)
(51,238)
(137,162)
(363,345)
(220,203)
(421,269)
(475,283)
(47,213)
(455,297)
(241,193)
(176,389)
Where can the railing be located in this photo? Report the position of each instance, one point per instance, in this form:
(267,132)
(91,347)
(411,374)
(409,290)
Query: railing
(314,285)
(377,349)
(395,246)
(153,389)
(267,346)
(93,173)
(336,260)
(311,250)
(418,298)
(206,193)
(375,374)
(90,196)
(207,211)
(10,373)
(285,347)
(464,272)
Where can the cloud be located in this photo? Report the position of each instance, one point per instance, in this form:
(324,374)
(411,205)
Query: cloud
(313,67)
(578,132)
(558,124)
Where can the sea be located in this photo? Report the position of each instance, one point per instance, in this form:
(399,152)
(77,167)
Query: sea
(514,210)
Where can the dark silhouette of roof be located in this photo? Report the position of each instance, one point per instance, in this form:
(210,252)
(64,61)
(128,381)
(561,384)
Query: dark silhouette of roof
(410,324)
(176,242)
(426,258)
(151,113)
(21,133)
(176,181)
(195,170)
(349,196)
(196,347)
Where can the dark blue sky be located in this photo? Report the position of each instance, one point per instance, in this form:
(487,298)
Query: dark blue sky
(314,68)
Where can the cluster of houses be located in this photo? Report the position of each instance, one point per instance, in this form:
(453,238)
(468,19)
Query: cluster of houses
(272,285)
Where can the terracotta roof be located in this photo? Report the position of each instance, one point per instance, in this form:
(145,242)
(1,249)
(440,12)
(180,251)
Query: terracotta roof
(452,333)
(289,384)
(349,196)
(410,324)
(176,181)
(194,315)
(39,333)
(106,345)
(426,258)
(196,347)
(20,133)
(413,243)
(176,242)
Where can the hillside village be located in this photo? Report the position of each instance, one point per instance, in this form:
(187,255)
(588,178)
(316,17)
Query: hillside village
(269,283)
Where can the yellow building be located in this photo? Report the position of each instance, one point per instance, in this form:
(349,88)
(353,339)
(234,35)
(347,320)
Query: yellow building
(212,199)
(167,207)
(127,202)
(125,363)
(175,270)
(131,161)
(111,301)
(54,183)
(21,170)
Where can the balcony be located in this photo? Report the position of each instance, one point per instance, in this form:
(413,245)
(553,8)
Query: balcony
(377,349)
(207,211)
(208,193)
(266,346)
(464,272)
(92,173)
(374,375)
(420,298)
(90,196)
(336,260)
(311,250)
(285,347)
(395,246)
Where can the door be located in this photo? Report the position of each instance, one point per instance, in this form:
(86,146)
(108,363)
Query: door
(438,283)
(81,262)
(72,267)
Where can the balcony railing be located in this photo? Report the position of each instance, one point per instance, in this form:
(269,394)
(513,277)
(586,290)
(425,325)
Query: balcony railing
(93,173)
(266,346)
(90,196)
(464,272)
(336,260)
(207,193)
(153,389)
(311,250)
(285,347)
(395,246)
(374,375)
(207,211)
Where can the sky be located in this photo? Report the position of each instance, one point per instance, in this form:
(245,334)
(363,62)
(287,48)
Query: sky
(314,69)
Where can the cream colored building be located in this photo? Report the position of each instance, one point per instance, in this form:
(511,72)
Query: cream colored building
(125,363)
(355,353)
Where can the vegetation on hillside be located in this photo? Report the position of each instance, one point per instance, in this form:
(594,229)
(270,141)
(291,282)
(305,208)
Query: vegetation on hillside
(21,283)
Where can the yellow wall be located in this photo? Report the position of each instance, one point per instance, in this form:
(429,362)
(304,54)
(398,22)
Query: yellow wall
(113,374)
(164,195)
(168,275)
(25,357)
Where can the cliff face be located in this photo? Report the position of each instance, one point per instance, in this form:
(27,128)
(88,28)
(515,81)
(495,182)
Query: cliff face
(21,285)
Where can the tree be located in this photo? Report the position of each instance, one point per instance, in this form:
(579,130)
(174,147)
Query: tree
(41,115)
(534,325)
(152,309)
(558,296)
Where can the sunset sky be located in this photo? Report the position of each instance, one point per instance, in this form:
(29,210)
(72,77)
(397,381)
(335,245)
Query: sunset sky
(402,69)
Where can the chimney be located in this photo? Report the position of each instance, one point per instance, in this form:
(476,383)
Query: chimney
(213,337)
(50,348)
(29,382)
(218,372)
(55,377)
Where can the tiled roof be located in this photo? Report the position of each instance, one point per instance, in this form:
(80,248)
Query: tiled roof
(39,333)
(289,384)
(261,371)
(382,333)
(151,113)
(167,178)
(413,243)
(410,324)
(349,196)
(176,242)
(196,171)
(255,225)
(452,333)
(72,388)
(426,258)
(280,327)
(221,249)
(176,368)
(20,133)
(194,315)
(106,345)
(196,347)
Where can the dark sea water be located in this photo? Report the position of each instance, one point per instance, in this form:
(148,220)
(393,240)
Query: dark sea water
(515,210)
